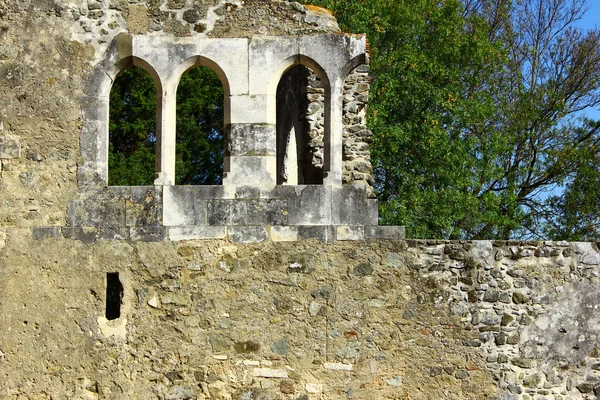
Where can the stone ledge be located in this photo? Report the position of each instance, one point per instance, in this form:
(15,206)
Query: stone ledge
(177,233)
(385,232)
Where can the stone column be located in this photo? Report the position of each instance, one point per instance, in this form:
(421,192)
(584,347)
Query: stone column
(165,139)
(332,170)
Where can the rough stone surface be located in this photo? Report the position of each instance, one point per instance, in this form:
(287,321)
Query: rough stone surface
(199,313)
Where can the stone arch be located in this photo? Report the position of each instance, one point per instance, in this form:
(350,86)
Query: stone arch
(207,165)
(291,62)
(197,61)
(95,112)
(166,174)
(298,161)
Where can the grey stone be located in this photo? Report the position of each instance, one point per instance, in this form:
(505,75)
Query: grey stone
(280,347)
(44,232)
(363,269)
(191,16)
(197,232)
(351,350)
(515,389)
(86,235)
(114,233)
(323,292)
(522,362)
(520,298)
(267,212)
(227,212)
(10,147)
(247,234)
(351,206)
(491,296)
(321,233)
(251,140)
(87,213)
(461,374)
(532,381)
(34,156)
(144,206)
(247,192)
(147,233)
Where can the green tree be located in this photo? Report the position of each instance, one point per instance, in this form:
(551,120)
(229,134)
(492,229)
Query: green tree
(199,128)
(132,129)
(474,106)
(199,132)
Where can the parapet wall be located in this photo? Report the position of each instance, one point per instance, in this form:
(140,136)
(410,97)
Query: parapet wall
(303,320)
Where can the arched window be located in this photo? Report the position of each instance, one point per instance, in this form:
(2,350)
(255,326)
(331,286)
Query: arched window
(300,127)
(132,129)
(199,129)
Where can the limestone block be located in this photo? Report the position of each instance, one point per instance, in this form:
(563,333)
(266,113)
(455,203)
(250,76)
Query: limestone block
(269,57)
(94,143)
(309,205)
(350,206)
(337,366)
(149,53)
(270,373)
(267,212)
(247,192)
(183,205)
(10,147)
(350,233)
(177,233)
(385,232)
(251,140)
(114,233)
(247,234)
(227,212)
(94,108)
(321,233)
(284,233)
(148,233)
(231,55)
(251,109)
(144,206)
(252,171)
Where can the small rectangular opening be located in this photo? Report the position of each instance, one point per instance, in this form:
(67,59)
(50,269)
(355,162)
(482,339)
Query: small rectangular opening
(114,294)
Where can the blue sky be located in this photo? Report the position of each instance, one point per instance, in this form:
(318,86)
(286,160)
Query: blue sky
(592,20)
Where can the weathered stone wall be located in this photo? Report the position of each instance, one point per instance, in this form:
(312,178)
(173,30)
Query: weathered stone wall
(371,319)
(308,319)
(357,137)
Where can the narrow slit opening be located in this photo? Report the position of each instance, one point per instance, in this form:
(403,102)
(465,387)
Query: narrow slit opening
(114,294)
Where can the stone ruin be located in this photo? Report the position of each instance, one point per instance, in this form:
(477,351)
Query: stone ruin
(296,161)
(257,309)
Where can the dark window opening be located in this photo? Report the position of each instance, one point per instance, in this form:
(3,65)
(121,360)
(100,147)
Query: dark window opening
(300,126)
(200,110)
(132,129)
(114,294)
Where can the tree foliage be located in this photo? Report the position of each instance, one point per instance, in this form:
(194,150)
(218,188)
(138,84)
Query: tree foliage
(476,110)
(132,129)
(199,129)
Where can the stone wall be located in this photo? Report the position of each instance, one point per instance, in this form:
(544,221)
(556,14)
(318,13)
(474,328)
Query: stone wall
(372,319)
(223,319)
